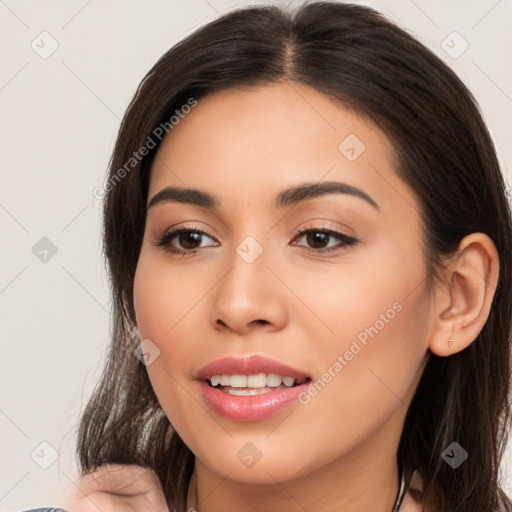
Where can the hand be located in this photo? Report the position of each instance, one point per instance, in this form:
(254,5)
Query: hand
(117,488)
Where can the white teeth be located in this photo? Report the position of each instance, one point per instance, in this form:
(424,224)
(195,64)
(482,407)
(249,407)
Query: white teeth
(288,381)
(273,380)
(258,381)
(225,380)
(247,391)
(238,381)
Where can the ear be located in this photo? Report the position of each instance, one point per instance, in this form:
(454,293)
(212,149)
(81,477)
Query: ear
(464,296)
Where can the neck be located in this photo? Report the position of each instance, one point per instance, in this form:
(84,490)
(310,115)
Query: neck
(364,479)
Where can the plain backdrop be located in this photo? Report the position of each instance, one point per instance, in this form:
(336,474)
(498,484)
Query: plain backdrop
(68,70)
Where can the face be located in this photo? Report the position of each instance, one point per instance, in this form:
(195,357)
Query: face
(331,283)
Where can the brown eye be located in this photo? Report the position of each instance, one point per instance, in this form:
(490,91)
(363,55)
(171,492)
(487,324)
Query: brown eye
(318,240)
(188,240)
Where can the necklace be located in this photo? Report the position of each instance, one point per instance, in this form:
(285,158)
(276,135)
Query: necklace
(192,493)
(401,492)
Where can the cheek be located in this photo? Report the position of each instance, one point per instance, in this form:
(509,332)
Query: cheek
(362,386)
(164,298)
(379,317)
(376,314)
(165,301)
(360,296)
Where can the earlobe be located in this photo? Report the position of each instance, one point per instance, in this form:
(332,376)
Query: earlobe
(463,299)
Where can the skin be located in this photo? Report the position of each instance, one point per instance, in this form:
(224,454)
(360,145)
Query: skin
(295,303)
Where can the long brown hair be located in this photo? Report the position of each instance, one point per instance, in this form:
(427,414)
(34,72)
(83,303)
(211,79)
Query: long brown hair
(443,152)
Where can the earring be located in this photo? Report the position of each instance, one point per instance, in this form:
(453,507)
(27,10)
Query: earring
(450,343)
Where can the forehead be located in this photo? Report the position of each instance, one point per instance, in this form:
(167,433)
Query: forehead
(243,142)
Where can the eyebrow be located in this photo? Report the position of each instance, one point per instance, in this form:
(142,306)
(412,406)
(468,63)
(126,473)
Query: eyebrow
(290,196)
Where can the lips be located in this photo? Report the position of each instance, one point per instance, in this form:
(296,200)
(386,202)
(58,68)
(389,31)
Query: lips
(245,408)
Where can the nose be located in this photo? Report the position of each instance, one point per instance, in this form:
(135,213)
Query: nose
(249,297)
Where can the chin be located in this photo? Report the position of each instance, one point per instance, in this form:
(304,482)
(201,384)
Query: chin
(264,470)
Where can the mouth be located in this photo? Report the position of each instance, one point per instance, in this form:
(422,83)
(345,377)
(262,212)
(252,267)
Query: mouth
(250,388)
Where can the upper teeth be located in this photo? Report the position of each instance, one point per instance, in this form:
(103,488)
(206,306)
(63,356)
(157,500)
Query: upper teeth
(260,380)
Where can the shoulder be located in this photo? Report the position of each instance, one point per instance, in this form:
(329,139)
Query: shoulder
(410,504)
(413,497)
(415,500)
(116,487)
(45,509)
(112,487)
(114,478)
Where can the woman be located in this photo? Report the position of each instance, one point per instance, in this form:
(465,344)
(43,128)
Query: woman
(308,240)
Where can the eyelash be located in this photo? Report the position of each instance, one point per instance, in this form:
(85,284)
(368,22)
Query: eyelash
(165,239)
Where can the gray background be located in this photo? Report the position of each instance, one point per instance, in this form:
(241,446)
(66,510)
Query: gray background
(60,113)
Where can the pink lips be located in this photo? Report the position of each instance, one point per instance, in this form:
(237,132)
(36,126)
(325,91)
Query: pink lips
(254,407)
